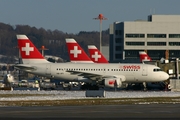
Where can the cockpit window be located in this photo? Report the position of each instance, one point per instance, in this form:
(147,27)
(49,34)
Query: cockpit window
(157,69)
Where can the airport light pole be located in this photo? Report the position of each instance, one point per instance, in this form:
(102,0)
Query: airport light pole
(43,48)
(19,61)
(100,18)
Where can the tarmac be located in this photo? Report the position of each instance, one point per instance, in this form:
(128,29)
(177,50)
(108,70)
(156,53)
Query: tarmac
(140,111)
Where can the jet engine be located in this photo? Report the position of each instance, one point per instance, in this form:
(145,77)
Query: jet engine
(114,82)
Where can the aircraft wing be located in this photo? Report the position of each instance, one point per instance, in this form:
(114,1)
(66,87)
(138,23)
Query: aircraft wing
(91,76)
(25,67)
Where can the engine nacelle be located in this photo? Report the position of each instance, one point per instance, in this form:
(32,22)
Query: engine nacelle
(114,82)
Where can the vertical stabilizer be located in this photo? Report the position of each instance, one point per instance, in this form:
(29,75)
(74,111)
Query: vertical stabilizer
(29,53)
(95,55)
(76,53)
(144,56)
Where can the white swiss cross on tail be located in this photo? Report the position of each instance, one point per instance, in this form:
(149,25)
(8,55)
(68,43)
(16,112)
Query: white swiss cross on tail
(29,53)
(145,59)
(75,51)
(96,56)
(144,56)
(27,49)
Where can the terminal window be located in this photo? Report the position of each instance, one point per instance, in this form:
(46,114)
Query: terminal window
(174,43)
(118,32)
(174,35)
(135,35)
(118,40)
(118,48)
(156,54)
(131,53)
(118,56)
(156,43)
(174,53)
(156,35)
(135,43)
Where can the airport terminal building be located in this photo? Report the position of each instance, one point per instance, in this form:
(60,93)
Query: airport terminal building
(159,36)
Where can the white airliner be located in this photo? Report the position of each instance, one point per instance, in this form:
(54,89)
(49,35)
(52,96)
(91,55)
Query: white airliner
(107,74)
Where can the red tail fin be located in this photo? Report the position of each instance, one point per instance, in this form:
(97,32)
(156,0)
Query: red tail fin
(95,55)
(143,56)
(76,53)
(28,51)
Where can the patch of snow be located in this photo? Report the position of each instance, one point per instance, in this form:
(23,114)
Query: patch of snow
(62,95)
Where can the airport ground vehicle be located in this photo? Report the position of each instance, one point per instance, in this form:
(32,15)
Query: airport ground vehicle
(47,85)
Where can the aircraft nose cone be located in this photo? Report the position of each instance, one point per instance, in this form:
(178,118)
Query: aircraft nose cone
(166,76)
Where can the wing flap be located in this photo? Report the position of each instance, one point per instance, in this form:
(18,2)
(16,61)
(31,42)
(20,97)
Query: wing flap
(92,76)
(26,68)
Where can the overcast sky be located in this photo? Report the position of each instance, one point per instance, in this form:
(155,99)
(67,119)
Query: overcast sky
(73,16)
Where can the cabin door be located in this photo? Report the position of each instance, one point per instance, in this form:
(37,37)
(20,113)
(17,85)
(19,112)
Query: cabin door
(144,70)
(48,69)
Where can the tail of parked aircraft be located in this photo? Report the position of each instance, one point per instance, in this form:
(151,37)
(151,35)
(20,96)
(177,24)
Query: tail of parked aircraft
(76,53)
(144,56)
(95,55)
(29,53)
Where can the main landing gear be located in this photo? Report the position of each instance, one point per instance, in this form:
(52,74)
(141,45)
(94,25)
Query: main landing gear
(144,86)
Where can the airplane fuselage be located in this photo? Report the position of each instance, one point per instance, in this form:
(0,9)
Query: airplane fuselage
(72,71)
